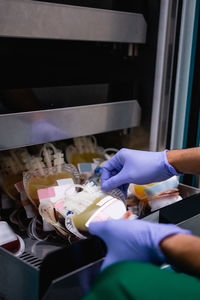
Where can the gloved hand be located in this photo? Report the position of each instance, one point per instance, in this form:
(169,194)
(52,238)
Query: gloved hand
(133,239)
(133,166)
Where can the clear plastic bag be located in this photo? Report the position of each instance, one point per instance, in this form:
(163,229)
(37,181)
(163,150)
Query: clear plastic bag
(99,206)
(33,180)
(68,207)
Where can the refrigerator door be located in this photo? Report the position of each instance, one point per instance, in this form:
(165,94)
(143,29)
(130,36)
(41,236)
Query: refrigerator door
(185,73)
(186,122)
(165,60)
(45,270)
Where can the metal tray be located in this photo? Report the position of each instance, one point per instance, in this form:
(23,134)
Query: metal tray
(37,127)
(46,271)
(185,213)
(31,19)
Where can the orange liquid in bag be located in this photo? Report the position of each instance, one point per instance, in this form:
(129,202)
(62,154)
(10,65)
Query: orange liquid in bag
(83,158)
(77,159)
(89,156)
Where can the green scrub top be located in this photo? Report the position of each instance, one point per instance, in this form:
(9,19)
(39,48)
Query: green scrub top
(141,281)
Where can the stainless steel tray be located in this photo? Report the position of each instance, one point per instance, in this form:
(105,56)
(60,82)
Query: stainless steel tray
(186,192)
(46,270)
(28,128)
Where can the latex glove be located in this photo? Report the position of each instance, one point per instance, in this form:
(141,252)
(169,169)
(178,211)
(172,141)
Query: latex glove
(133,239)
(134,166)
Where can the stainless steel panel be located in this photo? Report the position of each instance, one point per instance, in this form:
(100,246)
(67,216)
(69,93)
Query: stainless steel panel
(163,74)
(54,21)
(22,129)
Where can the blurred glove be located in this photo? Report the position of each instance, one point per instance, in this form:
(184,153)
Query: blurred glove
(133,240)
(133,166)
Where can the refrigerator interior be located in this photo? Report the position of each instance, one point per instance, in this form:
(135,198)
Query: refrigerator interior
(57,85)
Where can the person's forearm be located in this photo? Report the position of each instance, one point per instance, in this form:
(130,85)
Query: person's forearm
(183,251)
(185,161)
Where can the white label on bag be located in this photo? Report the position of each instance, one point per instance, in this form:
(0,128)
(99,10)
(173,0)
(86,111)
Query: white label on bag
(6,234)
(65,181)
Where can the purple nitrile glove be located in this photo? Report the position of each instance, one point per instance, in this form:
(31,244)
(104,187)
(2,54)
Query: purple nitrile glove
(133,239)
(134,166)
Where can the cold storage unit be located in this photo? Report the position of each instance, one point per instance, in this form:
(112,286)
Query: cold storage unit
(99,67)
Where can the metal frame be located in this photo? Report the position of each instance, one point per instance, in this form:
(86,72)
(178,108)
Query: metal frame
(182,92)
(31,19)
(163,74)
